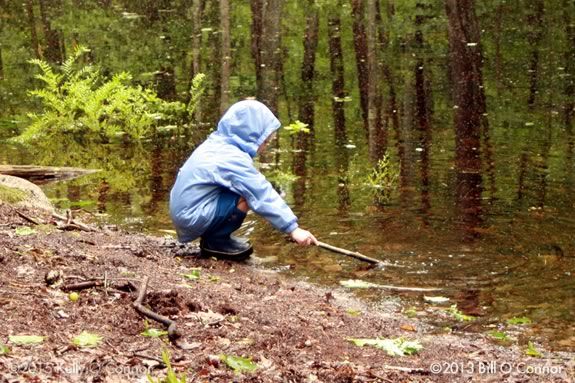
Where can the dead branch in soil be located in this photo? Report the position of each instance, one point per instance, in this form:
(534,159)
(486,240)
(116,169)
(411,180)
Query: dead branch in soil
(35,221)
(173,333)
(83,285)
(72,223)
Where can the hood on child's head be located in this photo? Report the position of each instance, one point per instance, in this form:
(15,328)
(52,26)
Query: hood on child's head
(247,124)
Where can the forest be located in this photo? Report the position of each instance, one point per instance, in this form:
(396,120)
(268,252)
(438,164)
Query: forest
(435,136)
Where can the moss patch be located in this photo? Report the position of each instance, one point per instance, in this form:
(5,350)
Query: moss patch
(11,195)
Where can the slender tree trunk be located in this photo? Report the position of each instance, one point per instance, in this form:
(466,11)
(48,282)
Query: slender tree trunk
(53,51)
(257,31)
(226,55)
(360,45)
(338,82)
(197,14)
(465,59)
(374,121)
(422,117)
(307,97)
(1,65)
(271,54)
(536,22)
(32,27)
(569,89)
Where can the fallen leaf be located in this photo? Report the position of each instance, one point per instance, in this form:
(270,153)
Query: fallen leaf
(407,327)
(153,333)
(393,347)
(435,299)
(86,339)
(238,363)
(26,339)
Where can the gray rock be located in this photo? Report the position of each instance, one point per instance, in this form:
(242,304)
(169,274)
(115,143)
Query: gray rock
(35,197)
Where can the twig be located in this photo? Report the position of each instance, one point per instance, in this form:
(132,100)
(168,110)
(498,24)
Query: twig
(83,285)
(27,218)
(173,333)
(355,255)
(80,225)
(406,369)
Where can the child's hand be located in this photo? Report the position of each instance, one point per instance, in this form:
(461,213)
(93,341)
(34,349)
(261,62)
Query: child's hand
(303,237)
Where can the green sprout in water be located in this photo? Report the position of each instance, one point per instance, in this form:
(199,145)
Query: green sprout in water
(383,180)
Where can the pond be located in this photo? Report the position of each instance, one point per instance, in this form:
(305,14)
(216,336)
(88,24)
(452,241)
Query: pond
(497,239)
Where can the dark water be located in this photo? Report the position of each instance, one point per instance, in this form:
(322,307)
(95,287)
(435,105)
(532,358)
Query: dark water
(484,201)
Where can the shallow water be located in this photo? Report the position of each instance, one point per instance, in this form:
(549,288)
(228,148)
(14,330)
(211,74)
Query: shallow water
(498,240)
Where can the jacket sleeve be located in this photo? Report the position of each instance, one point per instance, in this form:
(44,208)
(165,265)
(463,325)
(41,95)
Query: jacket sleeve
(243,178)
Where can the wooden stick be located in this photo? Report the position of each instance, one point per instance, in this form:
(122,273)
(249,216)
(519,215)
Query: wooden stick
(77,224)
(355,255)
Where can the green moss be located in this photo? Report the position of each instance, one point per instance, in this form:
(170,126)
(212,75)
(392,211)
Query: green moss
(11,195)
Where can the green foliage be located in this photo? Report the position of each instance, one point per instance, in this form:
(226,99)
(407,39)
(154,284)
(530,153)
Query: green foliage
(498,335)
(532,351)
(79,101)
(457,314)
(383,180)
(4,350)
(297,127)
(518,321)
(194,274)
(153,333)
(86,339)
(171,376)
(393,347)
(238,363)
(11,195)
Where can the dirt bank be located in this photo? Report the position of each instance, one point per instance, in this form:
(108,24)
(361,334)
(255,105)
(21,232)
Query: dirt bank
(293,331)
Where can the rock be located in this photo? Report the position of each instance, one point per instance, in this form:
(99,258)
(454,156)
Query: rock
(32,196)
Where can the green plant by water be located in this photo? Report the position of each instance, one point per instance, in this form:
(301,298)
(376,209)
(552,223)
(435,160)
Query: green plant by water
(383,180)
(78,100)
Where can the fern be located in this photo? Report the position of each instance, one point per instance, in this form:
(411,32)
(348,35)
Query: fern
(78,100)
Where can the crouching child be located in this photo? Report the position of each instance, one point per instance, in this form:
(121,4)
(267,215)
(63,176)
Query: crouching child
(218,184)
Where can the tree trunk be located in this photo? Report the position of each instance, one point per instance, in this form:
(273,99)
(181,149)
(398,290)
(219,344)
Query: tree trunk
(307,97)
(374,121)
(536,22)
(32,26)
(257,31)
(225,54)
(422,117)
(337,72)
(465,58)
(569,89)
(360,45)
(271,54)
(53,51)
(1,65)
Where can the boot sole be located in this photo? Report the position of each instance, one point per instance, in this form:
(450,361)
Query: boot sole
(207,253)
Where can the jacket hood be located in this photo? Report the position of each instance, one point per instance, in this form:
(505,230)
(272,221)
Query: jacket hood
(246,124)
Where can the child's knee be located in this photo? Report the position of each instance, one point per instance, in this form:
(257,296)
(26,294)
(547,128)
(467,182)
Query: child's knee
(243,205)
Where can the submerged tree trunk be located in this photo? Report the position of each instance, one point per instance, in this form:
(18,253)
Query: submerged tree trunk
(465,60)
(374,100)
(338,82)
(271,54)
(360,45)
(257,31)
(307,97)
(536,22)
(422,118)
(226,55)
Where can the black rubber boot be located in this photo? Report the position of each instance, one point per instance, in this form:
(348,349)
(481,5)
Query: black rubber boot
(231,248)
(220,242)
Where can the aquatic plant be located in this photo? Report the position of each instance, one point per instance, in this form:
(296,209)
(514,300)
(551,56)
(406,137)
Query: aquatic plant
(383,180)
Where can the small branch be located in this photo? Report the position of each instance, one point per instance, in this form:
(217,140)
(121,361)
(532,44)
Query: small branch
(173,333)
(76,224)
(355,255)
(35,221)
(82,285)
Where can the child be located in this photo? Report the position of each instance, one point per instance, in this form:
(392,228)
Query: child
(219,183)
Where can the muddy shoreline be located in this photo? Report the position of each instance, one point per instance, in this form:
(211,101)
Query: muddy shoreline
(292,330)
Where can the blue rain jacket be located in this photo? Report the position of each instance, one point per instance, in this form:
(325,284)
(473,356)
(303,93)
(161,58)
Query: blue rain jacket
(225,161)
